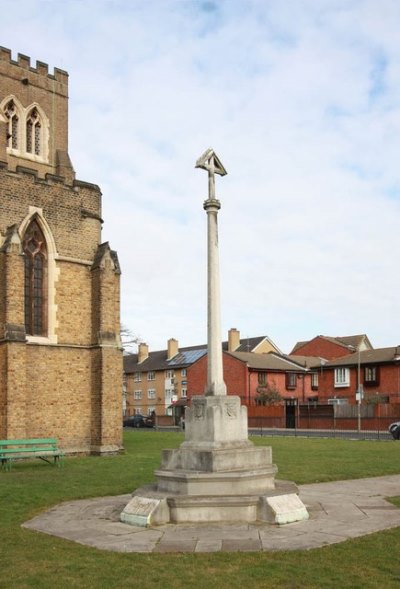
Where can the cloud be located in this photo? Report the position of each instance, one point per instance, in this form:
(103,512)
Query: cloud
(301,102)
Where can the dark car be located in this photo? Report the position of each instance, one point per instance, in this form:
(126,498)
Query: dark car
(138,420)
(394,429)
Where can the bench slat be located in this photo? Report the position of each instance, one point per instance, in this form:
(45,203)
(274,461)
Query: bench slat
(28,441)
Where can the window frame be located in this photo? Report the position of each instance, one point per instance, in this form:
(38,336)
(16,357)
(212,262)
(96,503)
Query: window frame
(342,377)
(35,280)
(314,381)
(371,375)
(262,378)
(290,381)
(19,135)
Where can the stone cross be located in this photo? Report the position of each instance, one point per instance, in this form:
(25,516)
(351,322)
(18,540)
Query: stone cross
(215,380)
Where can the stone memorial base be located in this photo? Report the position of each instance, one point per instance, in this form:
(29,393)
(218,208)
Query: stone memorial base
(216,475)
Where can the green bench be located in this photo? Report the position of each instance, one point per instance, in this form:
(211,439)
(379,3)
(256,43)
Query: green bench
(43,448)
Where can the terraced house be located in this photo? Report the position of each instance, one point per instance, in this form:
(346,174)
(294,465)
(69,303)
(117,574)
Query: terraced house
(158,381)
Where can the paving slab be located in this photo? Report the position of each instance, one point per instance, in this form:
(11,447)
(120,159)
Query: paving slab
(338,511)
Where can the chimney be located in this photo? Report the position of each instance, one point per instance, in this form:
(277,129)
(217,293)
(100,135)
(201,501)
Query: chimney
(172,348)
(233,339)
(143,353)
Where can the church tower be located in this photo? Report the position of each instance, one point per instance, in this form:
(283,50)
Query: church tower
(60,348)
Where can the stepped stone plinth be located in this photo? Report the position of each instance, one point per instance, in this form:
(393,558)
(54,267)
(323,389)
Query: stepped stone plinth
(216,474)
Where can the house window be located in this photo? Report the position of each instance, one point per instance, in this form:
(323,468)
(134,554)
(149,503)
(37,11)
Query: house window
(137,377)
(137,411)
(291,380)
(137,395)
(262,378)
(169,374)
(184,393)
(183,372)
(151,394)
(151,410)
(33,133)
(151,375)
(35,260)
(371,375)
(314,381)
(342,377)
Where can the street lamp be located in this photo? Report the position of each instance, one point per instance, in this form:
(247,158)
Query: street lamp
(359,393)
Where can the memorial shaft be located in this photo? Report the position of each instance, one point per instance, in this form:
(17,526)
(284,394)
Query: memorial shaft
(215,379)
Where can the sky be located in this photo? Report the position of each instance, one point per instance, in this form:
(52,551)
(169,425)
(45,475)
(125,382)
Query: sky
(301,102)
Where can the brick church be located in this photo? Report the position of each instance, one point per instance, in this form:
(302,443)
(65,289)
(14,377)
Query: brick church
(60,348)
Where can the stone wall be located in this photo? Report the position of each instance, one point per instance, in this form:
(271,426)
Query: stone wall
(67,383)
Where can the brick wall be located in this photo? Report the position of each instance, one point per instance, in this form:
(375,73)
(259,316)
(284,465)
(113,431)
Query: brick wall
(322,348)
(389,384)
(31,85)
(235,373)
(243,382)
(67,384)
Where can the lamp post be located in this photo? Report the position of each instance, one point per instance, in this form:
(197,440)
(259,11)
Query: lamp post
(359,393)
(215,381)
(397,363)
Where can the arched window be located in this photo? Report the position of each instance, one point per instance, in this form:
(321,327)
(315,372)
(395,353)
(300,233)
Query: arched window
(33,133)
(11,113)
(35,250)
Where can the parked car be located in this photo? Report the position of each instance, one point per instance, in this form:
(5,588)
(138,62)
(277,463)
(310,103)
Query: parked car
(394,429)
(138,420)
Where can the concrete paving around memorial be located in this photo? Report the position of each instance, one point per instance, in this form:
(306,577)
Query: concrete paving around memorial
(338,511)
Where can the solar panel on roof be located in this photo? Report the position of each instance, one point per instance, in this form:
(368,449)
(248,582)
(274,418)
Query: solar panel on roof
(187,357)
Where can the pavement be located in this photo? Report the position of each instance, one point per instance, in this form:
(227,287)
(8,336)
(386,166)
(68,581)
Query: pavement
(338,511)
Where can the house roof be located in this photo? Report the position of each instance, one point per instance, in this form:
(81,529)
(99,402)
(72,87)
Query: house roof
(249,344)
(271,361)
(354,341)
(159,361)
(378,356)
(186,356)
(308,361)
(351,342)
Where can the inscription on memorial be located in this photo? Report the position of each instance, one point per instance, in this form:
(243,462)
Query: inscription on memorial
(141,506)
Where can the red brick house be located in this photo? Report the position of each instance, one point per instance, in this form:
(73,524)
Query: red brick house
(248,375)
(331,348)
(377,371)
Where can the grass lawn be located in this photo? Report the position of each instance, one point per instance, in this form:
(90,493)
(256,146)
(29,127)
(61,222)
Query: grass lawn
(32,560)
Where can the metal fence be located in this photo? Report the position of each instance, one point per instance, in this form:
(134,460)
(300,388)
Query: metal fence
(268,426)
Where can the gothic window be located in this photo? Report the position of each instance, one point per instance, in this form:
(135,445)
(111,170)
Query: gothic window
(12,115)
(35,251)
(33,133)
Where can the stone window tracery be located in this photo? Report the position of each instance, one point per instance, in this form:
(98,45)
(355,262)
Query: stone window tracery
(35,250)
(27,131)
(33,132)
(11,113)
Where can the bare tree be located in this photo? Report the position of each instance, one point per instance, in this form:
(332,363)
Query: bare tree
(129,339)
